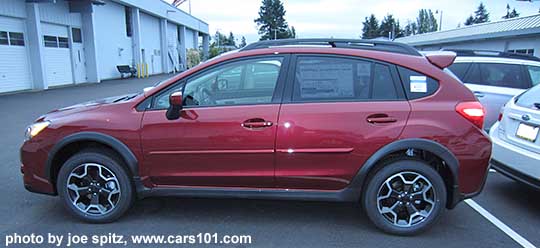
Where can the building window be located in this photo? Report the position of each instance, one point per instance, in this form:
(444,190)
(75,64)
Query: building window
(11,38)
(522,51)
(63,42)
(16,39)
(76,35)
(129,30)
(4,40)
(50,41)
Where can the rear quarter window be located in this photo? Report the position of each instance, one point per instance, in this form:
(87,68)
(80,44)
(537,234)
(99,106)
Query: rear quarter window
(417,85)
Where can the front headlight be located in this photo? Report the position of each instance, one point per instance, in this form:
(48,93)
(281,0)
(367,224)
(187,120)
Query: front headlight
(35,129)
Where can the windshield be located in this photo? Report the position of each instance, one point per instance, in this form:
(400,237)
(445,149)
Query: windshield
(530,99)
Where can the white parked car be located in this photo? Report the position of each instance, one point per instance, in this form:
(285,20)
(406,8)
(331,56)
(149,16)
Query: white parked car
(516,145)
(495,77)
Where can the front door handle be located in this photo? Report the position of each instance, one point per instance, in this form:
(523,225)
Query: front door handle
(380,118)
(256,123)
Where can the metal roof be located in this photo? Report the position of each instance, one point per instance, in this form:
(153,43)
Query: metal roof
(525,25)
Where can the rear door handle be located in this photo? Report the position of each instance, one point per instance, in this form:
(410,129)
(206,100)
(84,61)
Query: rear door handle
(479,94)
(380,118)
(256,123)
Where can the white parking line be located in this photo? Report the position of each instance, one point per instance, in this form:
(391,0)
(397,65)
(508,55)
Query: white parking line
(499,224)
(492,170)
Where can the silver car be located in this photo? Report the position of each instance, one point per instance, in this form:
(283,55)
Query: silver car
(516,145)
(495,77)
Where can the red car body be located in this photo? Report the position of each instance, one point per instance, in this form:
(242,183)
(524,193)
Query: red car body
(323,148)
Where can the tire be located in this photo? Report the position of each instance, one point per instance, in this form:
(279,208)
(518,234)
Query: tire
(392,212)
(82,171)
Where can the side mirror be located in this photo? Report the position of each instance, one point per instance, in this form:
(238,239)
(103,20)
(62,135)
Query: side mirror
(175,105)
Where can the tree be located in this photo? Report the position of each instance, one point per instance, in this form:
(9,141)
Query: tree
(371,27)
(231,40)
(426,21)
(390,27)
(271,22)
(481,15)
(242,42)
(220,40)
(510,14)
(410,29)
(469,21)
(292,32)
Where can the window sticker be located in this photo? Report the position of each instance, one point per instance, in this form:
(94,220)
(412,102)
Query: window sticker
(418,84)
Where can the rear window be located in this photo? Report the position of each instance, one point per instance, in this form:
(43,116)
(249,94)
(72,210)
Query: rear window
(530,98)
(417,85)
(499,75)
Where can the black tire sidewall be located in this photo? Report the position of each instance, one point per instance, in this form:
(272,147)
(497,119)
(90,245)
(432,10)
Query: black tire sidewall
(370,195)
(98,157)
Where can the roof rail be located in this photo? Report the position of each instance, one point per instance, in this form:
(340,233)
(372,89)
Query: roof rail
(385,46)
(488,53)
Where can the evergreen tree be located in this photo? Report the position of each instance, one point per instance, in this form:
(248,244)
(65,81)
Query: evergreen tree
(510,14)
(242,42)
(426,21)
(410,29)
(481,15)
(469,21)
(271,21)
(220,39)
(390,27)
(371,27)
(231,40)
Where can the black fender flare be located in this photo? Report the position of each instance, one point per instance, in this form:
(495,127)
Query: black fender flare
(355,188)
(117,145)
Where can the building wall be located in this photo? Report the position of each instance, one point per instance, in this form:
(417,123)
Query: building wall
(13,8)
(151,43)
(495,45)
(113,46)
(58,13)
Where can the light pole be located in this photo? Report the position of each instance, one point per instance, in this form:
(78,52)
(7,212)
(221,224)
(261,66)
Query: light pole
(440,18)
(275,32)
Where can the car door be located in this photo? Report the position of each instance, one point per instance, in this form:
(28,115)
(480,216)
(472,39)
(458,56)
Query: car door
(226,133)
(337,111)
(494,84)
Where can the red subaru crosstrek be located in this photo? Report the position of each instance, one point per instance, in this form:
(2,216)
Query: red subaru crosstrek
(309,119)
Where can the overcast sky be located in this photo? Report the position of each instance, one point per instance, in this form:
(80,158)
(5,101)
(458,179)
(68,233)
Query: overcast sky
(340,18)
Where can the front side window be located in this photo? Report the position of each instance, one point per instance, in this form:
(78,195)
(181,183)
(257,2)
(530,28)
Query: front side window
(341,79)
(240,83)
(534,73)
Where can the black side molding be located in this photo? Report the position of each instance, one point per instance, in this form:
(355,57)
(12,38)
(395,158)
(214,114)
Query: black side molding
(118,146)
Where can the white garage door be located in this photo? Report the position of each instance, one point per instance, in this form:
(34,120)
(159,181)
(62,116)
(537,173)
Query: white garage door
(172,47)
(57,55)
(15,73)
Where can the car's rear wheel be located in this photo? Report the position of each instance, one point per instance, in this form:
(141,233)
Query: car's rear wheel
(405,196)
(94,186)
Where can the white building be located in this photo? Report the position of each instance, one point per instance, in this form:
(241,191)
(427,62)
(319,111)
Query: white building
(47,43)
(519,35)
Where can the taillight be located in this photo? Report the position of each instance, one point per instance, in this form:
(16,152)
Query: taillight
(473,112)
(500,116)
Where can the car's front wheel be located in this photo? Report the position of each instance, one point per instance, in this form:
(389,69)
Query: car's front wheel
(94,186)
(404,197)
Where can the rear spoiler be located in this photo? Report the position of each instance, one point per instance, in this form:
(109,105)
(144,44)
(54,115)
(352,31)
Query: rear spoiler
(441,59)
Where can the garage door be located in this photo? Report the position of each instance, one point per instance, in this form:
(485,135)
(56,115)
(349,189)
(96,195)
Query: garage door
(15,73)
(57,55)
(172,47)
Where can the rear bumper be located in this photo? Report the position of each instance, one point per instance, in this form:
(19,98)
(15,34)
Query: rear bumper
(514,160)
(514,174)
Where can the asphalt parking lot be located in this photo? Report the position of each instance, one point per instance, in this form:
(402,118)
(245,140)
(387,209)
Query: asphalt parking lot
(270,223)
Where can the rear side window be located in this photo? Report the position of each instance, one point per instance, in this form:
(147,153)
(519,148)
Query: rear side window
(460,69)
(417,85)
(534,73)
(499,75)
(342,79)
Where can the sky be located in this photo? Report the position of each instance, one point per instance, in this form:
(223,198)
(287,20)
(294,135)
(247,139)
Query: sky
(340,18)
